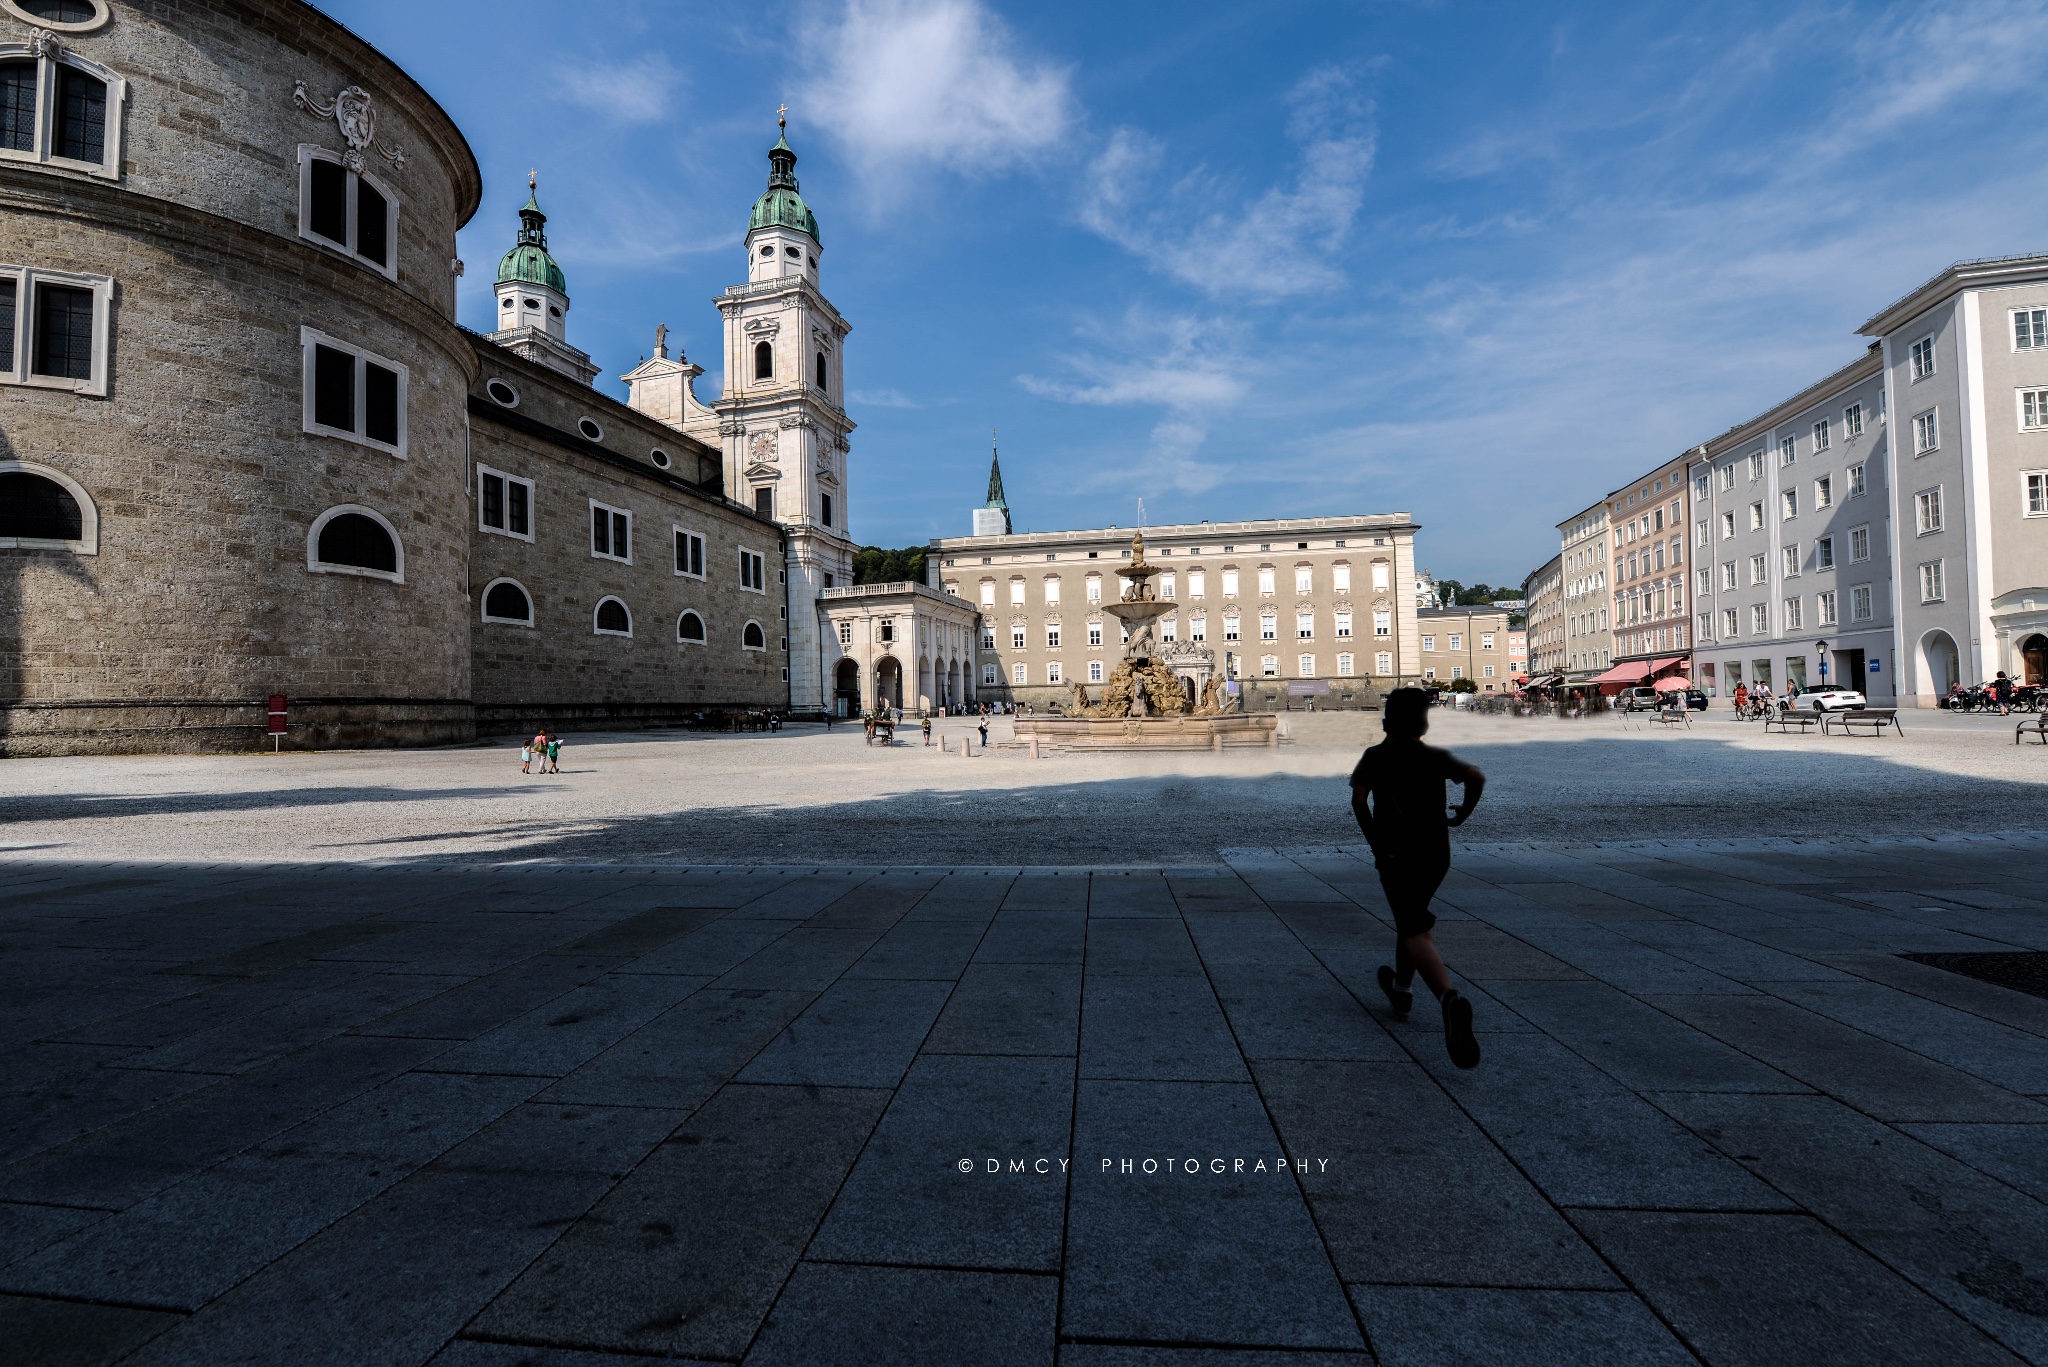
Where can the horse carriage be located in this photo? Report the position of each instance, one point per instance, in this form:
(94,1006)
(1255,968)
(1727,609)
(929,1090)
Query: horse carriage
(880,726)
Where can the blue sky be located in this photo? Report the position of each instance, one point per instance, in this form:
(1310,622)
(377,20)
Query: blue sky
(1479,262)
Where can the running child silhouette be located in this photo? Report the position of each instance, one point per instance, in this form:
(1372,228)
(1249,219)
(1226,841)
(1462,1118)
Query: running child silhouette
(1397,794)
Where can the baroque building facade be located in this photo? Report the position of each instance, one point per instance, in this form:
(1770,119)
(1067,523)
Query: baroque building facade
(245,449)
(1319,606)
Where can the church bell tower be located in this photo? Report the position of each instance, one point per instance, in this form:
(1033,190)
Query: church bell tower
(781,420)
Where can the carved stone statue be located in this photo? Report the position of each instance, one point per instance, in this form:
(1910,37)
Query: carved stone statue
(1212,698)
(1139,693)
(1080,706)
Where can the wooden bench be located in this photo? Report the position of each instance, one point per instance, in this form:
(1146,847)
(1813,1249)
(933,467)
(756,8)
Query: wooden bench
(1801,717)
(1876,718)
(2039,726)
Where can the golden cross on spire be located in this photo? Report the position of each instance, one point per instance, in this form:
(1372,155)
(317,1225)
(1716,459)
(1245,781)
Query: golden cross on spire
(532,177)
(782,116)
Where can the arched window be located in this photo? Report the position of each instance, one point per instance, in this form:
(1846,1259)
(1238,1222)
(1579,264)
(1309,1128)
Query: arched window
(752,637)
(505,600)
(55,105)
(690,629)
(764,361)
(44,509)
(821,370)
(611,618)
(355,540)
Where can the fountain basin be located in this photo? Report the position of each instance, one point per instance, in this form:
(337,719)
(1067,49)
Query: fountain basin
(1151,733)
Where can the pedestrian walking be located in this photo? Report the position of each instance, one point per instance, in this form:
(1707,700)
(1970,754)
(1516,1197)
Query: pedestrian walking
(526,757)
(984,732)
(927,732)
(1398,797)
(2001,688)
(554,754)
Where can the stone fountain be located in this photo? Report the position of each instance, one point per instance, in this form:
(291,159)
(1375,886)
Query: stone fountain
(1162,695)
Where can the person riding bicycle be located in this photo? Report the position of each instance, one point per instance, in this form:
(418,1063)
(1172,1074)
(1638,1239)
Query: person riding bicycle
(1742,700)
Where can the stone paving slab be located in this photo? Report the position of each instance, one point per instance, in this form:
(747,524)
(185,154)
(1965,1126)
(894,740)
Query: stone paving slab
(578,1115)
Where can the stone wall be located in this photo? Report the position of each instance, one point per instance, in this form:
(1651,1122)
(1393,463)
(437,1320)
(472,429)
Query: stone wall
(199,601)
(561,672)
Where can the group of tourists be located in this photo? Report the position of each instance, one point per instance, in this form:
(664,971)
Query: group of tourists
(544,749)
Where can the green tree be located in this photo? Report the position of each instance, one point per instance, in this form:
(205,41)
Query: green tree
(879,565)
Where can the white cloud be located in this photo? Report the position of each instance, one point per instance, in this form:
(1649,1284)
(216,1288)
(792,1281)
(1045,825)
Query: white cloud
(1203,231)
(907,85)
(640,91)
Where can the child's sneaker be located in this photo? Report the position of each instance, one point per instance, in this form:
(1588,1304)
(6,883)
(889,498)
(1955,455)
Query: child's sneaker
(1458,1037)
(1398,1001)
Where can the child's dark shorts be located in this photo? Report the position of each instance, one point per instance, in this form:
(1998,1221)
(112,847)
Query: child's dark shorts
(1410,882)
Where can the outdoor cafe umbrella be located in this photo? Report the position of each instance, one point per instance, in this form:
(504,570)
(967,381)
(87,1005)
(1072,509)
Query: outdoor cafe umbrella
(1673,684)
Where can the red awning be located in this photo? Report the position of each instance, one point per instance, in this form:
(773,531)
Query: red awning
(1659,666)
(1627,672)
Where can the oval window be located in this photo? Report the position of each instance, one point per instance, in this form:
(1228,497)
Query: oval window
(38,509)
(359,542)
(590,429)
(533,303)
(507,602)
(74,16)
(753,638)
(659,457)
(690,627)
(554,312)
(502,393)
(768,251)
(612,617)
(791,252)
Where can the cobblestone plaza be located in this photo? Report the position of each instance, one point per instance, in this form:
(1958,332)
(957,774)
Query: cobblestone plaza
(782,1049)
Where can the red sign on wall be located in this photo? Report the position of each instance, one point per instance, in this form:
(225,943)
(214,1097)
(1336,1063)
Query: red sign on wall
(276,715)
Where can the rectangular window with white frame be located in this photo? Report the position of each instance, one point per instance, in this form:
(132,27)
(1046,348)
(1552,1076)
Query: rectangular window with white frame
(1756,517)
(504,503)
(1230,622)
(1824,492)
(1704,625)
(1756,465)
(1700,533)
(1018,674)
(353,394)
(1703,582)
(1852,420)
(1926,433)
(1344,666)
(1457,641)
(611,533)
(1304,579)
(1343,627)
(1759,620)
(1095,671)
(1727,477)
(1730,623)
(1857,488)
(989,677)
(1340,577)
(1923,357)
(350,212)
(753,571)
(53,329)
(2029,329)
(1788,504)
(1822,436)
(1052,638)
(1933,587)
(1305,626)
(1927,511)
(1383,662)
(1860,603)
(689,553)
(1305,667)
(1016,638)
(1789,565)
(1759,572)
(1095,633)
(1198,628)
(1793,614)
(1859,544)
(2034,500)
(1728,526)
(1383,624)
(1269,626)
(1052,672)
(2033,406)
(1788,450)
(1824,608)
(1824,553)
(1269,666)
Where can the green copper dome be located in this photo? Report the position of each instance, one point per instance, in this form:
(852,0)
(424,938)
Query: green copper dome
(780,206)
(529,262)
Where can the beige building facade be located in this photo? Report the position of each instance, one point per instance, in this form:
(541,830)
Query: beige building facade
(1467,643)
(1647,522)
(1321,607)
(1588,611)
(1543,600)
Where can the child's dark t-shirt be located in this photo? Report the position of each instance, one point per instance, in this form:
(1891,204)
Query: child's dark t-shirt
(1409,805)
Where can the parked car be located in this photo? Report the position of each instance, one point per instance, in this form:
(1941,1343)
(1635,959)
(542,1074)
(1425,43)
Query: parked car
(1695,700)
(1642,699)
(1829,699)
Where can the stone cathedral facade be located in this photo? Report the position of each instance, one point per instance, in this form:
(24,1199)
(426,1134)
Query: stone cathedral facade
(246,449)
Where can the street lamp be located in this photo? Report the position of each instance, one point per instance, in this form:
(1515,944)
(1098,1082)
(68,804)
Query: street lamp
(1822,647)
